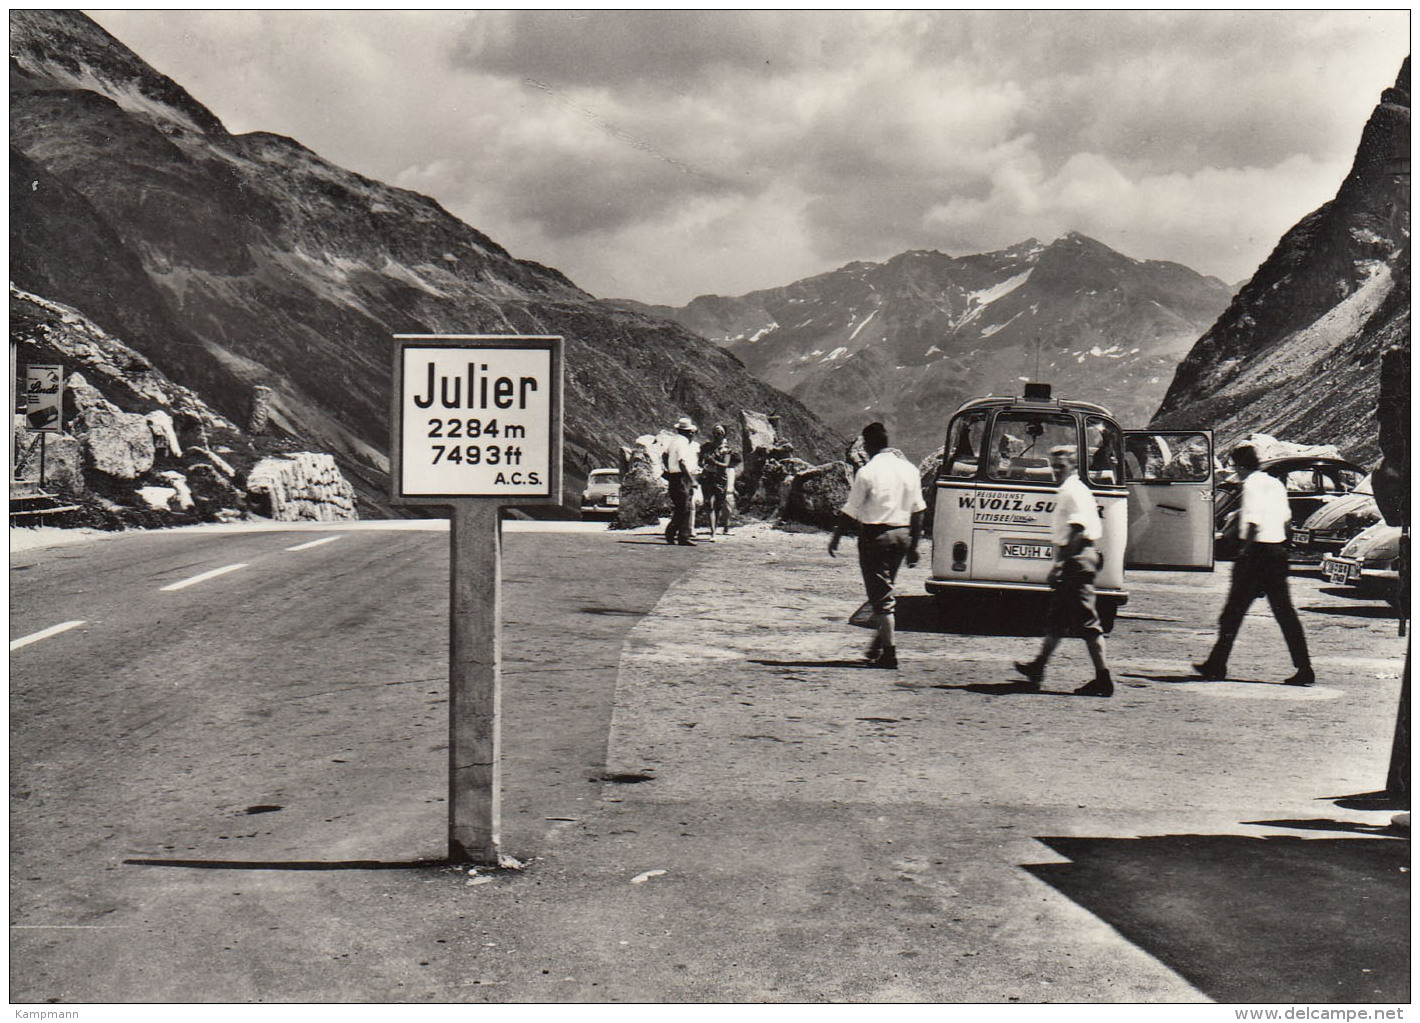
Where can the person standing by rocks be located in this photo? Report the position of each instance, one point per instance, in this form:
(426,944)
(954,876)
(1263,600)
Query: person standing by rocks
(716,458)
(1260,567)
(885,501)
(1074,527)
(682,468)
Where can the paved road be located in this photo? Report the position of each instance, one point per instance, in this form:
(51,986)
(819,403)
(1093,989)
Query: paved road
(229,787)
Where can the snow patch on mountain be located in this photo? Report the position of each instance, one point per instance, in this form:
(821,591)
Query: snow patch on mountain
(988,295)
(862,325)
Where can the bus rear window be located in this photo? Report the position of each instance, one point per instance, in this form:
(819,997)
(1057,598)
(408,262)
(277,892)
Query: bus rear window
(1020,443)
(963,451)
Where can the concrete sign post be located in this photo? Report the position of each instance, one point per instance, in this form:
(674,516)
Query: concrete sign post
(476,425)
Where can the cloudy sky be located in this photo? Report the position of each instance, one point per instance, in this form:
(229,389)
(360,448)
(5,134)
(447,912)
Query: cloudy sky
(663,155)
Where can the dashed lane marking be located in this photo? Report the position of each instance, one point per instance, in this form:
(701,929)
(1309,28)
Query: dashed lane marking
(201,578)
(35,637)
(313,543)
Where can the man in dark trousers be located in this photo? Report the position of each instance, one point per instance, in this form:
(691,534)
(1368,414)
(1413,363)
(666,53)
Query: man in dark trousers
(682,468)
(886,504)
(1074,527)
(1260,568)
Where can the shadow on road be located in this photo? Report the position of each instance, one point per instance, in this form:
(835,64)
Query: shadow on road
(1326,824)
(1195,677)
(1356,611)
(814,664)
(1379,800)
(293,864)
(1276,919)
(1003,689)
(987,614)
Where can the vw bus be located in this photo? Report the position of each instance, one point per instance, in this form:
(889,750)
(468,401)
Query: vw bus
(995,493)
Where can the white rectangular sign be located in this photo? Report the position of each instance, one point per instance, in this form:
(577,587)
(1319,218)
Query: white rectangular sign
(477,418)
(44,398)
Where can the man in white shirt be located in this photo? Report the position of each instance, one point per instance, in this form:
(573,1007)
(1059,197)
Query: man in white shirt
(1075,528)
(1261,567)
(886,504)
(682,468)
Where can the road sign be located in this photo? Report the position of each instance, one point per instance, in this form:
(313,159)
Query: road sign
(44,398)
(476,423)
(477,416)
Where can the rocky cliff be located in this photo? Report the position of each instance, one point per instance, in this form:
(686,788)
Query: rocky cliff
(237,261)
(136,449)
(908,340)
(1296,353)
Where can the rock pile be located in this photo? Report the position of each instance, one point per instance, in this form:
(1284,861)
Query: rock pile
(302,486)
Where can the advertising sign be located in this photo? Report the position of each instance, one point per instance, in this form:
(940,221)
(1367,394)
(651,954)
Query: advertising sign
(44,398)
(477,417)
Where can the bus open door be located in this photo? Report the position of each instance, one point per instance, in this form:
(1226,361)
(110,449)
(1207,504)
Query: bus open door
(1169,476)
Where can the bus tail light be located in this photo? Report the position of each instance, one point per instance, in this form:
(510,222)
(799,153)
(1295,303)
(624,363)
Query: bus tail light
(959,556)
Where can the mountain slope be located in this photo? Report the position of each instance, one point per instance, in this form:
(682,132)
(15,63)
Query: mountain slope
(909,339)
(237,260)
(1295,354)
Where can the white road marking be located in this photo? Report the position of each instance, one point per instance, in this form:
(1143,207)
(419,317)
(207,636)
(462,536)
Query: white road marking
(202,578)
(313,543)
(35,637)
(68,927)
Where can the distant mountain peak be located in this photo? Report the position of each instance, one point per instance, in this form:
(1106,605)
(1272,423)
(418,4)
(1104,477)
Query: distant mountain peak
(908,339)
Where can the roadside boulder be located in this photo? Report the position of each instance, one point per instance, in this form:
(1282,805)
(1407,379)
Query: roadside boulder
(183,492)
(157,498)
(160,424)
(113,442)
(815,494)
(302,486)
(645,495)
(761,445)
(772,490)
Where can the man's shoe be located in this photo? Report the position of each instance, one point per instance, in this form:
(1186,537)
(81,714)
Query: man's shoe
(874,651)
(886,659)
(686,543)
(1209,672)
(1303,677)
(1034,671)
(1101,685)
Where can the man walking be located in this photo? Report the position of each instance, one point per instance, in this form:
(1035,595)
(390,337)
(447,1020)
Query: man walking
(1260,568)
(682,467)
(1074,527)
(886,503)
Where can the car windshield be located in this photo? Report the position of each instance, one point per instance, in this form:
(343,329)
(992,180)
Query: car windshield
(605,476)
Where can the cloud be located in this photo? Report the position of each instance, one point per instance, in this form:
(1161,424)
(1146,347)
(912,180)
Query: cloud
(663,154)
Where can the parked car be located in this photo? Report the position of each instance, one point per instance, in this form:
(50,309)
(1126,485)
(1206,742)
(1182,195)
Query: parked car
(1311,482)
(1370,562)
(603,493)
(1332,525)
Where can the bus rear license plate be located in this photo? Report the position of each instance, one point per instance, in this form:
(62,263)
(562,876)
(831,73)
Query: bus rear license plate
(1035,551)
